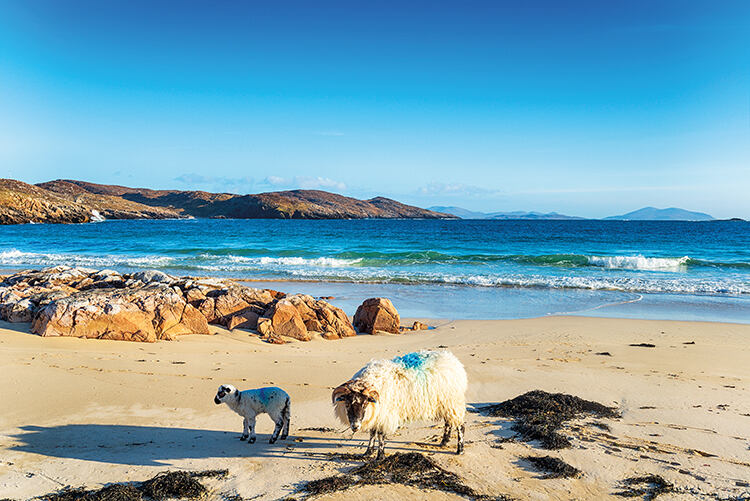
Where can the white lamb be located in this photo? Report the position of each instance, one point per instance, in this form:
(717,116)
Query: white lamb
(249,403)
(383,395)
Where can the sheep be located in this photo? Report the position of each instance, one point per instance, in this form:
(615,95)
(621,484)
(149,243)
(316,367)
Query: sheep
(249,403)
(428,385)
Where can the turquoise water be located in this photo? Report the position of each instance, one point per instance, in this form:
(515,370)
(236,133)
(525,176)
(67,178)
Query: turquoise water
(446,269)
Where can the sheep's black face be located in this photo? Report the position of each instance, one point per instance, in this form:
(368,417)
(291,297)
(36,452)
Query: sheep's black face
(356,404)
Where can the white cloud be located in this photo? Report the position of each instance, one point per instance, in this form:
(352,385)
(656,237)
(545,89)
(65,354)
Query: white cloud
(217,183)
(456,189)
(305,183)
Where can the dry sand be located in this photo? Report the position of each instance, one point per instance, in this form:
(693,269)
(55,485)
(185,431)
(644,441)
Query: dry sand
(89,412)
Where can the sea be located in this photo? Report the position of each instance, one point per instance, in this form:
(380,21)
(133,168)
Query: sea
(439,269)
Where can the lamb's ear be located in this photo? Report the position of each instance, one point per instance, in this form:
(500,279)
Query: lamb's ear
(340,391)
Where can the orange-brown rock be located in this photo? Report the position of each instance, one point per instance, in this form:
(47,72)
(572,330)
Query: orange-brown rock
(220,306)
(377,314)
(419,326)
(286,321)
(144,314)
(247,319)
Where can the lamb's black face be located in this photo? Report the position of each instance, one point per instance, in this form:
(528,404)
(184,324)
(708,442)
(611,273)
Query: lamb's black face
(223,392)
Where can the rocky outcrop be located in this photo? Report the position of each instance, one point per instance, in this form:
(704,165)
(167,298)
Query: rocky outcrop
(151,305)
(300,315)
(25,203)
(377,315)
(129,314)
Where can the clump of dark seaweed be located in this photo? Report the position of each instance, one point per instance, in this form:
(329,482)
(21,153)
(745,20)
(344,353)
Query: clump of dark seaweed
(648,486)
(553,467)
(539,415)
(173,484)
(410,468)
(165,485)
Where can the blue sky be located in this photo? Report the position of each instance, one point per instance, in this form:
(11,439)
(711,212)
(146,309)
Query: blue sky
(587,108)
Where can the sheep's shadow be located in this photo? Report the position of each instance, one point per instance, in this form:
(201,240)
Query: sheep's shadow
(158,446)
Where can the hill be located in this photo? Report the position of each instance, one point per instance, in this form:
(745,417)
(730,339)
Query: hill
(72,201)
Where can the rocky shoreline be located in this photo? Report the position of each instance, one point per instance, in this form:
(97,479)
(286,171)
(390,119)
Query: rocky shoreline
(151,305)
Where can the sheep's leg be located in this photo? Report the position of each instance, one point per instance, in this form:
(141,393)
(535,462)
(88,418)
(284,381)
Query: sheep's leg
(446,434)
(245,427)
(370,444)
(251,428)
(287,418)
(460,448)
(381,446)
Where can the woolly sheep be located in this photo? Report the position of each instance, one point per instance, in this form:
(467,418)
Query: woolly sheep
(383,395)
(249,403)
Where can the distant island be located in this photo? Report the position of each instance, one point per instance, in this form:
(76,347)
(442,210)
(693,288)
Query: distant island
(468,214)
(70,201)
(644,214)
(654,214)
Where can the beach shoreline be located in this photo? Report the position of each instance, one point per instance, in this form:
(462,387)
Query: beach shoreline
(125,411)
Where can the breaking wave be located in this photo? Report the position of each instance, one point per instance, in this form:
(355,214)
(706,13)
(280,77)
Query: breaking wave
(639,273)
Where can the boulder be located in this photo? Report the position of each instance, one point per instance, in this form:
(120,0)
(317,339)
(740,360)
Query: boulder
(287,321)
(247,319)
(220,306)
(377,314)
(419,326)
(321,316)
(147,314)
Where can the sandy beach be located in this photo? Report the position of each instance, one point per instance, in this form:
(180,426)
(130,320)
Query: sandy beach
(90,412)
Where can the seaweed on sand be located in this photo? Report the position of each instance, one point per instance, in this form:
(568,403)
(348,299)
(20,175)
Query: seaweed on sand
(412,468)
(553,467)
(539,415)
(165,485)
(648,486)
(173,484)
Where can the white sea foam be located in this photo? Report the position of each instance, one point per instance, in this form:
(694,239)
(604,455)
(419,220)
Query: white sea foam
(14,257)
(639,262)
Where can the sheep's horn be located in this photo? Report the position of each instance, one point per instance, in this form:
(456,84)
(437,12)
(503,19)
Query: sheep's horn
(340,390)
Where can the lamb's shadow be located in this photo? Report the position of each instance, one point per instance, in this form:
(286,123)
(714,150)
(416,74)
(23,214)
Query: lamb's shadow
(158,446)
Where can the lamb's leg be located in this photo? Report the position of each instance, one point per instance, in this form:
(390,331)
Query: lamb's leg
(381,446)
(446,434)
(251,427)
(287,418)
(276,430)
(245,427)
(460,448)
(370,444)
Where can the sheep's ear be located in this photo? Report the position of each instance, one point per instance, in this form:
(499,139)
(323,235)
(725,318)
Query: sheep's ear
(339,392)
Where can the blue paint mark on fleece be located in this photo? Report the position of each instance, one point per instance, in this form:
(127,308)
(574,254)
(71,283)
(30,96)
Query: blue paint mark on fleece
(411,360)
(263,395)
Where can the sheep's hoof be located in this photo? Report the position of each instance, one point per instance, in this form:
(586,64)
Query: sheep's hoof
(272,441)
(459,451)
(243,437)
(283,437)
(251,440)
